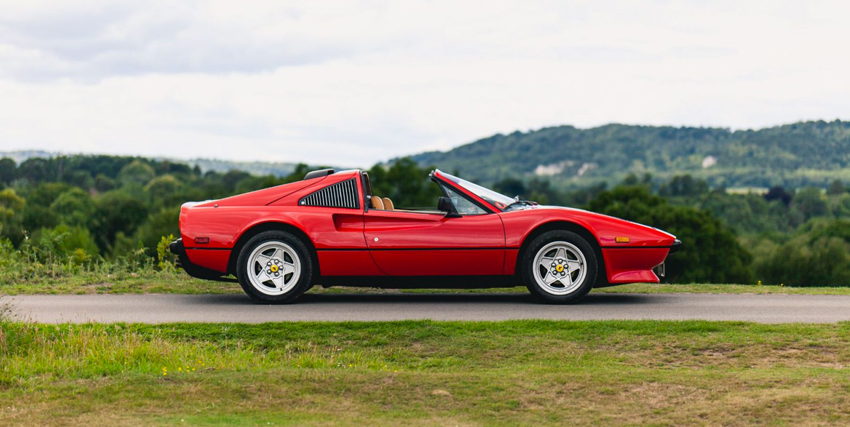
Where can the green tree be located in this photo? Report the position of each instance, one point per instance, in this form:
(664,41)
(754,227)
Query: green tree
(8,170)
(160,223)
(103,183)
(811,202)
(136,172)
(835,188)
(161,187)
(10,204)
(683,185)
(116,212)
(511,187)
(808,260)
(74,207)
(34,170)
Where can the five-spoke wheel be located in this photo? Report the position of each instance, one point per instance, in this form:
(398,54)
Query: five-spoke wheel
(274,266)
(559,266)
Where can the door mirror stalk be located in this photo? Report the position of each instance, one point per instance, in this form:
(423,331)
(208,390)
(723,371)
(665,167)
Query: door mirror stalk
(444,204)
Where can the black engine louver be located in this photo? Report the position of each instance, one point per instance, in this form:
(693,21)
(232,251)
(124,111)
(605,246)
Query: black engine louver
(340,195)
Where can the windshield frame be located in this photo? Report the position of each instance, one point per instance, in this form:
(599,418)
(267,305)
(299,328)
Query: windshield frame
(493,198)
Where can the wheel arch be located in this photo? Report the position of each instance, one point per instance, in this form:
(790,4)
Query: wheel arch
(602,275)
(272,226)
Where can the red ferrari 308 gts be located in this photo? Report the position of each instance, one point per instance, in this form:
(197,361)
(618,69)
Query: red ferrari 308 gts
(331,229)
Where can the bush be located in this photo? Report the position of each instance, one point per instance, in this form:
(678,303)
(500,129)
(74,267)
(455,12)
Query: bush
(165,260)
(818,255)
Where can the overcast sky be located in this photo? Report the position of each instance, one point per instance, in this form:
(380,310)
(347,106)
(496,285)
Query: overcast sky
(352,83)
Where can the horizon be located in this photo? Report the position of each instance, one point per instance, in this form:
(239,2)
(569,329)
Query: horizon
(294,162)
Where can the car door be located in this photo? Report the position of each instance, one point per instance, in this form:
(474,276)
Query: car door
(411,243)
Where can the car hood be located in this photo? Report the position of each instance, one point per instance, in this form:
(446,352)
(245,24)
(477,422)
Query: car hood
(586,213)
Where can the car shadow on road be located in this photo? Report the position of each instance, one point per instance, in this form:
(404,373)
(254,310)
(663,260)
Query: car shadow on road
(446,298)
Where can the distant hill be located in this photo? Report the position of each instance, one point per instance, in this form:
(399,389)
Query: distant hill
(795,155)
(221,166)
(20,156)
(254,168)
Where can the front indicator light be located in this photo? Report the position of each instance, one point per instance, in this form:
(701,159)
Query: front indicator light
(621,239)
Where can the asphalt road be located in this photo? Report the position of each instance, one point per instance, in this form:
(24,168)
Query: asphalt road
(375,307)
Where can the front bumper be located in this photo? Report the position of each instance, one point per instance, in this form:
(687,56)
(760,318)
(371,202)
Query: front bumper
(660,270)
(677,244)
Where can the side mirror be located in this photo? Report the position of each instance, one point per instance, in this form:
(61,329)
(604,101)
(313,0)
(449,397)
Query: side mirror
(444,204)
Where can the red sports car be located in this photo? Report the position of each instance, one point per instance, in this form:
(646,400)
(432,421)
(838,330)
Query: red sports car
(331,229)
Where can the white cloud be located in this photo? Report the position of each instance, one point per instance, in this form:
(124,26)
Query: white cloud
(353,83)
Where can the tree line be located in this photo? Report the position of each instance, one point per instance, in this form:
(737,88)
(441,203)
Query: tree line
(84,209)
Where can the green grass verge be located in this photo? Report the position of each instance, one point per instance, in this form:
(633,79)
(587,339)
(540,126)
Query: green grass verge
(426,373)
(180,283)
(147,283)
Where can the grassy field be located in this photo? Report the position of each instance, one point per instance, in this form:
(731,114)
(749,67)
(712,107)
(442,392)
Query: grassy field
(180,283)
(426,373)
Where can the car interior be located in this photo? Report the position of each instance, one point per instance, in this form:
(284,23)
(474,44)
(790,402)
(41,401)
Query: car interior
(450,205)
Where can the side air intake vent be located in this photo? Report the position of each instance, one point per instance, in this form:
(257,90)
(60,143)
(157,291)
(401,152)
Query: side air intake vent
(340,195)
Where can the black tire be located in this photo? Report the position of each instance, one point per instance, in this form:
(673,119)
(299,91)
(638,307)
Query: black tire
(306,274)
(549,237)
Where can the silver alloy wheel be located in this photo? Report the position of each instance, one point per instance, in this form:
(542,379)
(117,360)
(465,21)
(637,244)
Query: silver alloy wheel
(559,268)
(274,268)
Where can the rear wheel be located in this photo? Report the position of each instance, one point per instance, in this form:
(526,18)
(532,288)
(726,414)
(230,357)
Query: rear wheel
(274,266)
(559,266)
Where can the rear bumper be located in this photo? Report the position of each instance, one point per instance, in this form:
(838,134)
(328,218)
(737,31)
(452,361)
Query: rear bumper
(176,247)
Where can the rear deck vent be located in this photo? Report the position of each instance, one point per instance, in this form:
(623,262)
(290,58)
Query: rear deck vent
(340,195)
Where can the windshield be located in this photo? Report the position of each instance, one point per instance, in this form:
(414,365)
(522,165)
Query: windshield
(498,200)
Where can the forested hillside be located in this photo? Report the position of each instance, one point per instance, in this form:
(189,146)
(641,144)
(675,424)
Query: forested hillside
(278,169)
(795,155)
(109,215)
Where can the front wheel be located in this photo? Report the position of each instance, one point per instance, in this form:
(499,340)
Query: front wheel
(274,266)
(559,266)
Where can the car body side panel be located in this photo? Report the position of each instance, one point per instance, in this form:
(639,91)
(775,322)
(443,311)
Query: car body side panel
(327,228)
(347,263)
(440,262)
(511,256)
(424,244)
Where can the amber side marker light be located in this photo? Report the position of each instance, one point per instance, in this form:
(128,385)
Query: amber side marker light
(621,239)
(202,240)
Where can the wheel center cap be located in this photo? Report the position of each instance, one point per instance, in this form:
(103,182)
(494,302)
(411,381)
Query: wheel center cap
(274,268)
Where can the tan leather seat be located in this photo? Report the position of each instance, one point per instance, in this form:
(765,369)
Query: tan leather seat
(388,204)
(377,203)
